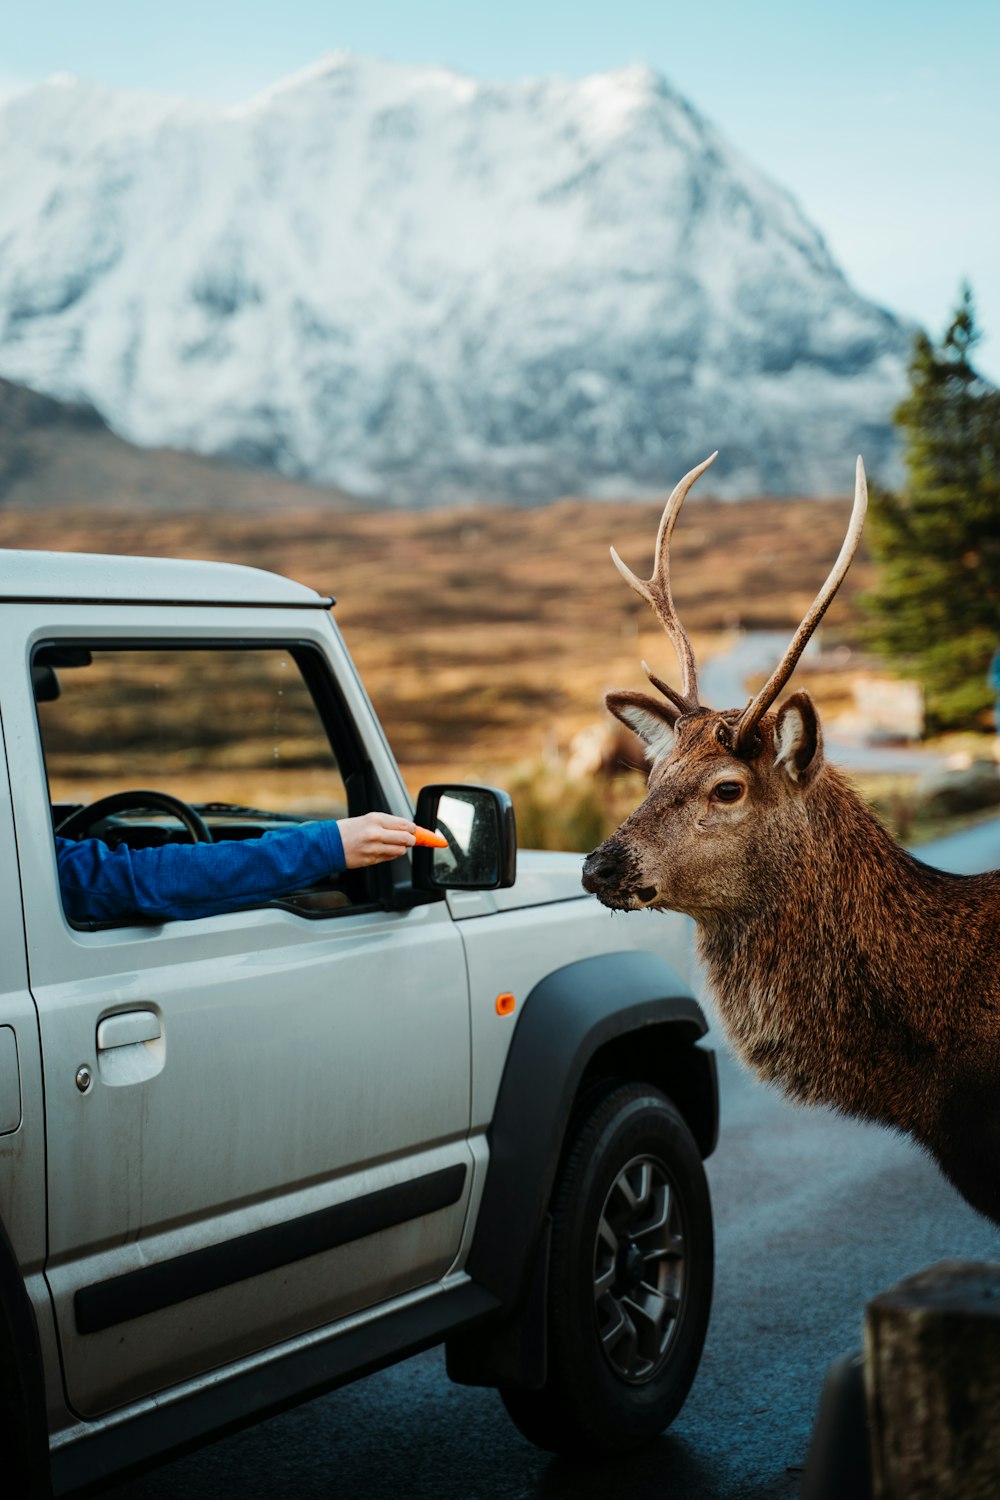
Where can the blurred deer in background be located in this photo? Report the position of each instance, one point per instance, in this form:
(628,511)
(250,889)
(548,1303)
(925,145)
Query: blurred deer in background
(844,969)
(605,751)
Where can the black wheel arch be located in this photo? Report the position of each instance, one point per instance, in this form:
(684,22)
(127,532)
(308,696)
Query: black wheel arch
(585,1027)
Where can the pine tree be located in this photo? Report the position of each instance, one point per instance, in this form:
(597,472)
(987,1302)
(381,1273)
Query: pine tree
(936,610)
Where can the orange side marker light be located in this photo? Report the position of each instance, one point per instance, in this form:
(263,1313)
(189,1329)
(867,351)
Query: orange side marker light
(505,1004)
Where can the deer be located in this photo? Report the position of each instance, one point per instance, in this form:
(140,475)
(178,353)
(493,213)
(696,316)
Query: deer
(844,969)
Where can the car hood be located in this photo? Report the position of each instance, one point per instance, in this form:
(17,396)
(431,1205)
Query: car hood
(542,876)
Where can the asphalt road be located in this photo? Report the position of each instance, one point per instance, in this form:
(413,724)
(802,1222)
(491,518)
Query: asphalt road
(814,1215)
(723,684)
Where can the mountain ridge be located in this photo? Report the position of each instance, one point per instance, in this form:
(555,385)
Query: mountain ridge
(57,455)
(423,287)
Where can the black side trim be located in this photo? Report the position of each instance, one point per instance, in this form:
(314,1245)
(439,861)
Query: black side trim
(596,1005)
(168,1428)
(154,1287)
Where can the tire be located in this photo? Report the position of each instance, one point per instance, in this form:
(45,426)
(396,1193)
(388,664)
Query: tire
(630,1279)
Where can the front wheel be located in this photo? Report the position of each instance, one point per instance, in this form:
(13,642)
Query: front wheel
(630,1279)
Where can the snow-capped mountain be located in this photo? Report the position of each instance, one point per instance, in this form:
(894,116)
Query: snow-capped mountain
(413,284)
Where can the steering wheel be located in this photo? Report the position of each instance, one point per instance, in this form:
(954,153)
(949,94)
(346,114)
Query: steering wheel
(79,822)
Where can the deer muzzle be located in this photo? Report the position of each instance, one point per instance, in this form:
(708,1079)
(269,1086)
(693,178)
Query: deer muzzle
(611,874)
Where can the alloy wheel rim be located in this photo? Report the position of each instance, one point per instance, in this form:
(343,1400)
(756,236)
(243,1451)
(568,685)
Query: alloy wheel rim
(639,1269)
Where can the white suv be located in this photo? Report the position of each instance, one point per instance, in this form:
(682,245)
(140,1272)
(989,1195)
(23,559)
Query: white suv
(249,1157)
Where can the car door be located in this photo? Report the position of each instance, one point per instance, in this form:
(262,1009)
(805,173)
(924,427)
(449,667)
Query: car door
(256,1122)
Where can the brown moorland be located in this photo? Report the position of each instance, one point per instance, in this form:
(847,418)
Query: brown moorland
(488,636)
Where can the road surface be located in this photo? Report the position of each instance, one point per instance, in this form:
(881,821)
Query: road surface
(814,1215)
(723,681)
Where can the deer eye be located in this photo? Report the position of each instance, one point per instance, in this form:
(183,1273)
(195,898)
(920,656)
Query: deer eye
(727,791)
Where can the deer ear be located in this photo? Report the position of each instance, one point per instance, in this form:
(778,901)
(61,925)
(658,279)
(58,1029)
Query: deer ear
(652,720)
(798,738)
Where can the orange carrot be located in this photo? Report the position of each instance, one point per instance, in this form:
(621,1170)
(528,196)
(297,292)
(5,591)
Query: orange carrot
(429,840)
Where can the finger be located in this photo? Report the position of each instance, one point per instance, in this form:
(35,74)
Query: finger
(384,852)
(386,849)
(400,837)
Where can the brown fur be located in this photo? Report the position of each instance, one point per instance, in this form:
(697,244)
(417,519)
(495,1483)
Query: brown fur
(845,970)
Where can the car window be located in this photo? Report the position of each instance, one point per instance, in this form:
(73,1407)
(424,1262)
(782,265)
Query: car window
(211,726)
(234,733)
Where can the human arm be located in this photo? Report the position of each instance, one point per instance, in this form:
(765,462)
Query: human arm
(177,881)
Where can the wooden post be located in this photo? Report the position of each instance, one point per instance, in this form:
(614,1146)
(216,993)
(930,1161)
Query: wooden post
(932,1375)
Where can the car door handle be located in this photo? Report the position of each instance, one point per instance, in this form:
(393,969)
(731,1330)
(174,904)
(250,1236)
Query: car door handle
(126,1029)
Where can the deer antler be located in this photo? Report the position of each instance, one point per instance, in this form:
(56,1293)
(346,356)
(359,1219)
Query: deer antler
(743,735)
(656,592)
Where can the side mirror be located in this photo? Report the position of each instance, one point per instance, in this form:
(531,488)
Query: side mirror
(478,824)
(44,683)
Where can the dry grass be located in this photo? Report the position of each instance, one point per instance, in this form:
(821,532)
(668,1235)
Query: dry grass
(487,637)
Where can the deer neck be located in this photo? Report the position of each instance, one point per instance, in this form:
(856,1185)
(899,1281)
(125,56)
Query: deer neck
(807,977)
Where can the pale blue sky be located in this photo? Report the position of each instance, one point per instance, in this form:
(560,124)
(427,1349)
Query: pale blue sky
(882,117)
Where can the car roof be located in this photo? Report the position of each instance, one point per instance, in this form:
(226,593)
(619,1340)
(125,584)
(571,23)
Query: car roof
(94,578)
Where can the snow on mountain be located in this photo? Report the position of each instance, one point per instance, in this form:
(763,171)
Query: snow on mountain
(413,284)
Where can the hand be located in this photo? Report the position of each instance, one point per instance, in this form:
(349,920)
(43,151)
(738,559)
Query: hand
(375,837)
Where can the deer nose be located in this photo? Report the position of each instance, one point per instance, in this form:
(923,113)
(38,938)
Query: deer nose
(604,868)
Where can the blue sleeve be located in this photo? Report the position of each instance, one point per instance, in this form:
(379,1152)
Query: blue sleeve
(193,880)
